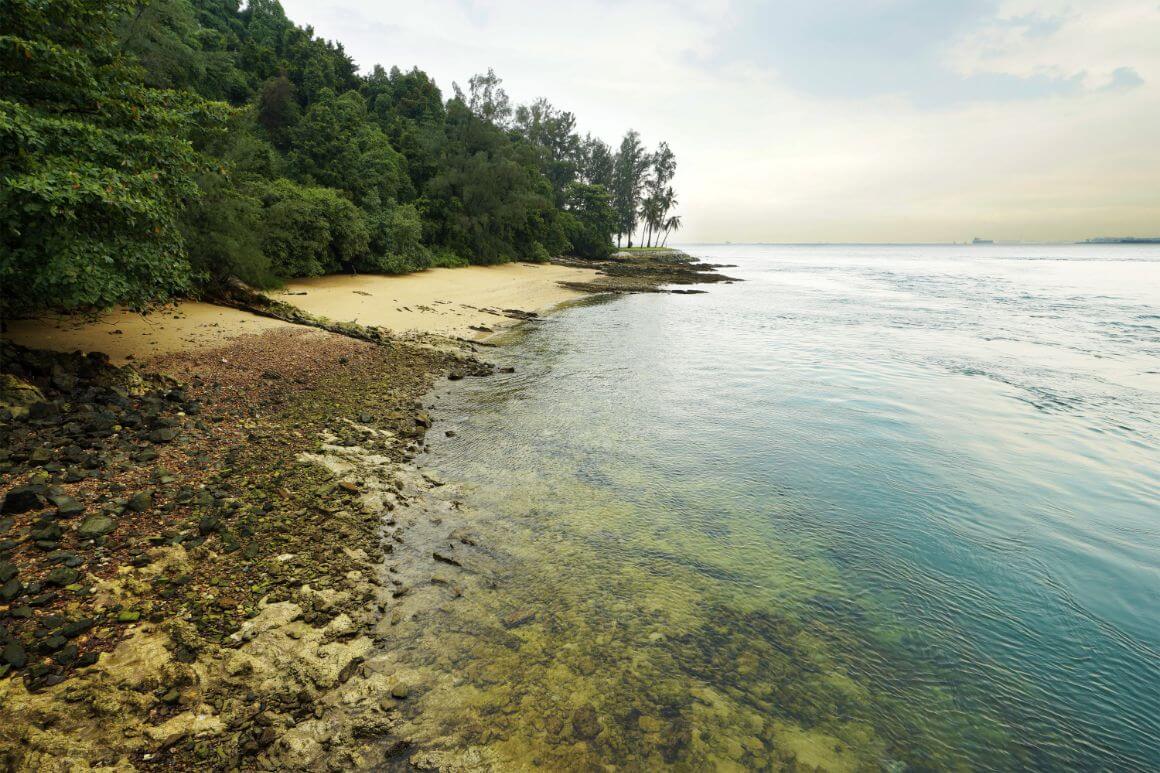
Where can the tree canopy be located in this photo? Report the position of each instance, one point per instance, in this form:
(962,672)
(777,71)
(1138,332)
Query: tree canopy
(154,147)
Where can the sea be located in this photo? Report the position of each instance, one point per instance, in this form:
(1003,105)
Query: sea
(869,507)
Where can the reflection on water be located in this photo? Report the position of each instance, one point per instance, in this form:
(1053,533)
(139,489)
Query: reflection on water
(873,508)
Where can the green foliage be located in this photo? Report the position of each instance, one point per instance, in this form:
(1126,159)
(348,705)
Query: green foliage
(310,231)
(591,220)
(148,146)
(95,167)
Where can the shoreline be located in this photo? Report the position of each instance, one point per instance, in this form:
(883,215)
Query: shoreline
(203,573)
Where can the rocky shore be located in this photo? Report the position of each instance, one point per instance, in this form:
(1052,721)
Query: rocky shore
(202,558)
(193,570)
(646,271)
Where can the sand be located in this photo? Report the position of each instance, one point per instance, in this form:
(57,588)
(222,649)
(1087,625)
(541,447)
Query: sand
(125,335)
(444,301)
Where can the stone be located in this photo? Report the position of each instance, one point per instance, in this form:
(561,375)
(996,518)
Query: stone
(11,590)
(585,724)
(454,376)
(67,507)
(445,558)
(8,570)
(95,526)
(22,499)
(62,576)
(400,691)
(518,617)
(128,616)
(140,502)
(14,655)
(163,435)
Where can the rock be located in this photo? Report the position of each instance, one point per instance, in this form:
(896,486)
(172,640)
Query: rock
(140,502)
(22,499)
(95,526)
(444,558)
(163,435)
(14,654)
(507,370)
(62,576)
(450,433)
(67,507)
(39,455)
(11,590)
(585,724)
(454,376)
(518,618)
(464,536)
(400,691)
(8,570)
(76,627)
(128,616)
(423,420)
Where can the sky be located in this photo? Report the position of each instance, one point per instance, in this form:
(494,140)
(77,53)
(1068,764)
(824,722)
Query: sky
(828,120)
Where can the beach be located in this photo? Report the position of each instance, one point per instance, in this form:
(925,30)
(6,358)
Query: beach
(213,524)
(467,302)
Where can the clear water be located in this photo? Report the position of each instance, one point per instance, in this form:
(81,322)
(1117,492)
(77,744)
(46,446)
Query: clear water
(873,507)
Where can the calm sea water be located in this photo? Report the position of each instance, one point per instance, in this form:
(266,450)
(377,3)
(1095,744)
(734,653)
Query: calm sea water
(873,507)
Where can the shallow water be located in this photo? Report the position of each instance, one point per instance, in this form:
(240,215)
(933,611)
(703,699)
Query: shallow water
(874,507)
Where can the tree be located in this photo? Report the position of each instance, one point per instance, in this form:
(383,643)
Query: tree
(552,133)
(486,98)
(94,166)
(628,180)
(592,220)
(597,163)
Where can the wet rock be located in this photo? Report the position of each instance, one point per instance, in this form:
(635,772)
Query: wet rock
(8,570)
(22,499)
(454,376)
(518,617)
(464,536)
(95,526)
(445,558)
(585,724)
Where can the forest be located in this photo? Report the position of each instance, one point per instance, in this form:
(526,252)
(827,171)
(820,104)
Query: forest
(157,148)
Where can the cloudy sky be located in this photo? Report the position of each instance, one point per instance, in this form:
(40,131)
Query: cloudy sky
(829,120)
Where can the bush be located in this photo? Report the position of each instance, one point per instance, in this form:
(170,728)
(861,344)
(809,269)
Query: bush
(310,231)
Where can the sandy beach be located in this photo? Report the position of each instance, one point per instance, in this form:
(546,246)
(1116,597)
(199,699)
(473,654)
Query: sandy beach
(446,301)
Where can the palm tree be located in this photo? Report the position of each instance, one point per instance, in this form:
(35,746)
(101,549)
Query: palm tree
(671,224)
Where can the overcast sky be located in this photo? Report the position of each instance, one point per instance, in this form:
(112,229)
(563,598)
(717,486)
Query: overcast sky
(829,120)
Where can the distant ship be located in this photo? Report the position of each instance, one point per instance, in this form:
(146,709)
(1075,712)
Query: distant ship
(982,241)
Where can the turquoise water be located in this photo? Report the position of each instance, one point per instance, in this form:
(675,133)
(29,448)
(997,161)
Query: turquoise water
(873,507)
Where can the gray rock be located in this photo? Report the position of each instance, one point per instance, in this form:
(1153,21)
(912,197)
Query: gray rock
(96,526)
(67,507)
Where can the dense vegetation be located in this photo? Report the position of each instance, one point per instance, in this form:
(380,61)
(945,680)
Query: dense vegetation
(157,147)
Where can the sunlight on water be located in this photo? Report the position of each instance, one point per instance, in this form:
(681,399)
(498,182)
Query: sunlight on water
(872,508)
